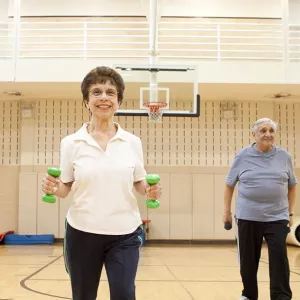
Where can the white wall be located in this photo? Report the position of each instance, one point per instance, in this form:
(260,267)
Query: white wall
(4,10)
(81,8)
(209,72)
(202,8)
(222,8)
(294,12)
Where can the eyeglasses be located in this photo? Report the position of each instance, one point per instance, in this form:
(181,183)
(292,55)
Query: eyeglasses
(109,94)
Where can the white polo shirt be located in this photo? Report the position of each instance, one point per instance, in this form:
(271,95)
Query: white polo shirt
(103,199)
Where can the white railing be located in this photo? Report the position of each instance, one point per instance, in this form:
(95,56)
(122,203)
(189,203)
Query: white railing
(6,40)
(181,40)
(84,40)
(220,41)
(294,42)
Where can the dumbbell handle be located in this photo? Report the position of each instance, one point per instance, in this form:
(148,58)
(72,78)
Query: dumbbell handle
(152,179)
(49,198)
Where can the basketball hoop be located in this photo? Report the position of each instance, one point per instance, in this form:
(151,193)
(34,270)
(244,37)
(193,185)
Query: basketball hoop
(155,111)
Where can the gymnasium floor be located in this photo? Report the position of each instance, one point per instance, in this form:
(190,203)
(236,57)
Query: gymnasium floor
(165,273)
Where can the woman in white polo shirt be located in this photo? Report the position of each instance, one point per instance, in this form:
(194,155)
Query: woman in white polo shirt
(101,163)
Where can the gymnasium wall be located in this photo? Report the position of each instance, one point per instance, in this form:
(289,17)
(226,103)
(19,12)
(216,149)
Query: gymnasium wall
(61,49)
(213,8)
(192,155)
(294,12)
(4,10)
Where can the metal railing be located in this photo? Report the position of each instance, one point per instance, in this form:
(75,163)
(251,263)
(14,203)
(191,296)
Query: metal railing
(6,40)
(84,40)
(294,42)
(221,41)
(181,40)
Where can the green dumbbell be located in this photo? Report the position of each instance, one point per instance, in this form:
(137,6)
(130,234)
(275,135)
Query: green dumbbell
(152,179)
(49,198)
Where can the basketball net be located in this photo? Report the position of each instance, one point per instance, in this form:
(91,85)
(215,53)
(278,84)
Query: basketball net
(155,111)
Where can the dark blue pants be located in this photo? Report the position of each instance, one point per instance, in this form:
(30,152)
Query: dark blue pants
(86,253)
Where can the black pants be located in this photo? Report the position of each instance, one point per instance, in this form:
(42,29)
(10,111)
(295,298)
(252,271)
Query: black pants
(86,253)
(250,238)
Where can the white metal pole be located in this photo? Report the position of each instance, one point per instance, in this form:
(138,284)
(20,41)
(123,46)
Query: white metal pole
(84,39)
(153,28)
(219,42)
(16,34)
(153,33)
(285,29)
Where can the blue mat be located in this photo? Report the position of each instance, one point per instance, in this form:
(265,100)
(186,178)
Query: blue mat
(18,239)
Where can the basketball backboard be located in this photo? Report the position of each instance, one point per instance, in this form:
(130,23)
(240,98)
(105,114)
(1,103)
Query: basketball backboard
(173,88)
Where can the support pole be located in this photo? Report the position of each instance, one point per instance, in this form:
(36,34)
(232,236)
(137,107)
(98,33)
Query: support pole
(16,34)
(153,34)
(285,26)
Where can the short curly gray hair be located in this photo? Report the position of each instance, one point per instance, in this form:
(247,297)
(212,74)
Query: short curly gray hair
(261,121)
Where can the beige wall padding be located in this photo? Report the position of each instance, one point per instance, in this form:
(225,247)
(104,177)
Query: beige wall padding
(205,141)
(9,196)
(192,155)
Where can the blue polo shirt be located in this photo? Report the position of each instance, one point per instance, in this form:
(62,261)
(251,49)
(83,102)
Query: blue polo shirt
(263,180)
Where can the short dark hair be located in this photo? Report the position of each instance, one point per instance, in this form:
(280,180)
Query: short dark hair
(102,75)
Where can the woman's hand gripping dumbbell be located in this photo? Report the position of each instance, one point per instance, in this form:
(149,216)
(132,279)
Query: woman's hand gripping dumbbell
(153,190)
(49,185)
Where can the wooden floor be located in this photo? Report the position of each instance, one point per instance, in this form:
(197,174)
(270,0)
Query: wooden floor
(165,272)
